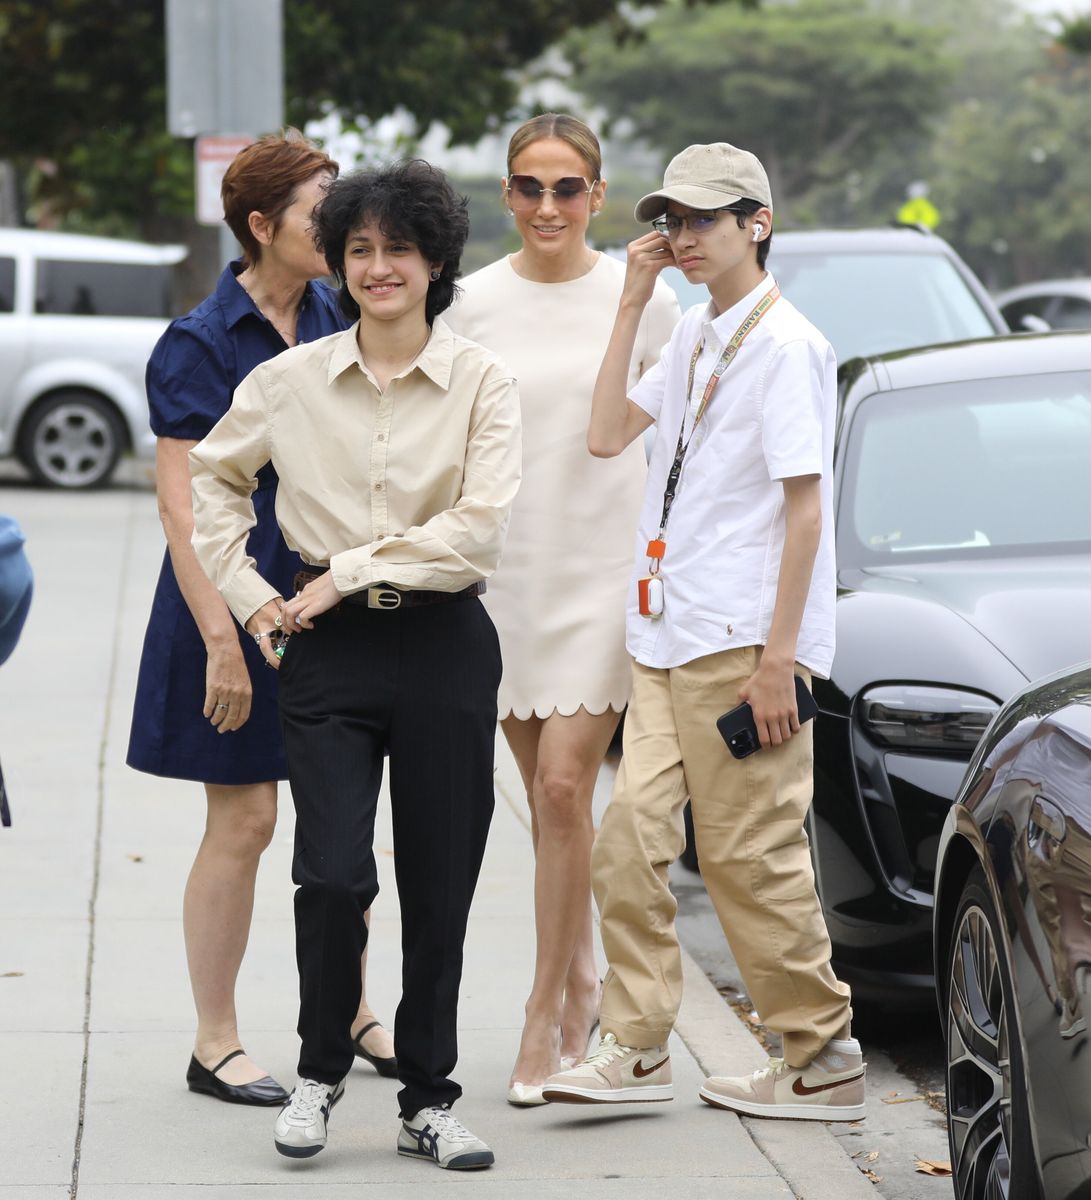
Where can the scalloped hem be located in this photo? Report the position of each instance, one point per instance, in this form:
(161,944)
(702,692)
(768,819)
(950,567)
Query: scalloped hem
(565,709)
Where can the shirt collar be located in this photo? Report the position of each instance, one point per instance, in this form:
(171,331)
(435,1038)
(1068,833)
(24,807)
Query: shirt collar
(236,302)
(233,297)
(724,326)
(435,360)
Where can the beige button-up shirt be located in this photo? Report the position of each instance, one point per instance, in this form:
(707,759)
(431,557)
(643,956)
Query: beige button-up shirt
(410,486)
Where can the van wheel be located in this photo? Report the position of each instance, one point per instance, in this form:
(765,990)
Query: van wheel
(71,440)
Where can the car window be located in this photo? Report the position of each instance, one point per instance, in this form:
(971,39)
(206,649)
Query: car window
(873,303)
(1029,306)
(1072,313)
(7,285)
(968,470)
(102,289)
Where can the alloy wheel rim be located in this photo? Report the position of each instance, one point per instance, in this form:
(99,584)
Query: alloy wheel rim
(73,445)
(979,1088)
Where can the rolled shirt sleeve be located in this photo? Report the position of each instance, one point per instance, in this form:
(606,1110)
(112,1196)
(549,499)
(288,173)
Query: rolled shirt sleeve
(224,467)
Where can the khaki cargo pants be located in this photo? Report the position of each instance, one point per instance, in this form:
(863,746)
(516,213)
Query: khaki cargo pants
(755,860)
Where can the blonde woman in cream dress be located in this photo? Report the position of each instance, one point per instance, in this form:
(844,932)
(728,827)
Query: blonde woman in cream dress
(558,597)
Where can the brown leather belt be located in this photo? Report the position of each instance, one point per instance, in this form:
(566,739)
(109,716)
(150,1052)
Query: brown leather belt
(384,597)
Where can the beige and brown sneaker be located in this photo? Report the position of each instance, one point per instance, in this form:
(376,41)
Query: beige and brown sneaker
(829,1088)
(614,1074)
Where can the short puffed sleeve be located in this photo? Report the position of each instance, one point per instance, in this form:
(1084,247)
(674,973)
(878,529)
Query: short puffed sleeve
(187,382)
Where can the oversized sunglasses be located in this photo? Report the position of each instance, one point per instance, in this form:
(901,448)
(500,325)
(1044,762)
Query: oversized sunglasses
(524,191)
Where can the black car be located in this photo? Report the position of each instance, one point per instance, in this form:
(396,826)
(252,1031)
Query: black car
(1013,951)
(873,290)
(963,493)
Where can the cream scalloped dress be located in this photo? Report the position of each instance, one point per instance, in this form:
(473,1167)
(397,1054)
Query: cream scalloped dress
(558,596)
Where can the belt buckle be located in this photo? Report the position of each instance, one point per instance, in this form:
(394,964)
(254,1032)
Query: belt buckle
(380,597)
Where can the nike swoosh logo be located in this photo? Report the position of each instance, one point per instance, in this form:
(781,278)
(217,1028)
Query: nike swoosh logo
(801,1089)
(640,1071)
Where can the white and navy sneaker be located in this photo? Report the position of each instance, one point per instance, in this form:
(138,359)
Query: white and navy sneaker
(300,1130)
(434,1133)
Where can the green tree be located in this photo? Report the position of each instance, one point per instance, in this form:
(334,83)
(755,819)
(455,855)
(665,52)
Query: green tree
(457,62)
(1013,176)
(1076,35)
(82,85)
(816,89)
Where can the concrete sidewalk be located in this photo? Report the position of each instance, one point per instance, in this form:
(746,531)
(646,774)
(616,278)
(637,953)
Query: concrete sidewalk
(95,1011)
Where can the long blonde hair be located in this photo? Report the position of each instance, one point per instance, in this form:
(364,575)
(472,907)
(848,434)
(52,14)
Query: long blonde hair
(564,127)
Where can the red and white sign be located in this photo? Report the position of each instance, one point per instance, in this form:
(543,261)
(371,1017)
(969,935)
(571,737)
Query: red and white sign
(214,154)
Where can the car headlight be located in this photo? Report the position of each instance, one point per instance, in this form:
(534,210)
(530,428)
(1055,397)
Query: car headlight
(914,717)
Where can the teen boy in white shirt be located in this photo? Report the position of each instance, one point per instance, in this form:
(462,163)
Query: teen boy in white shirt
(737,533)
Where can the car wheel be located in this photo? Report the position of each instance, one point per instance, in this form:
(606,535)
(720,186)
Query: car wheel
(988,1122)
(71,440)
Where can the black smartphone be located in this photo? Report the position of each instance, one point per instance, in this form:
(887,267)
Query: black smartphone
(738,730)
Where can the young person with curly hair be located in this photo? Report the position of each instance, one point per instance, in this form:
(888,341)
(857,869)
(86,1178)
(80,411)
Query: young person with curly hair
(205,708)
(397,447)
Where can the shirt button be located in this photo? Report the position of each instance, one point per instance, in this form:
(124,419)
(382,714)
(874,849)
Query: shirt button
(378,487)
(380,437)
(356,579)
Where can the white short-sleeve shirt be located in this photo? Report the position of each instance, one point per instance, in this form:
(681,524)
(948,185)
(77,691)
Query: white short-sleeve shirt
(771,418)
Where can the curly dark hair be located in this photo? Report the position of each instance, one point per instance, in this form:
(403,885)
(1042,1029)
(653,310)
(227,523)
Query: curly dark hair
(411,200)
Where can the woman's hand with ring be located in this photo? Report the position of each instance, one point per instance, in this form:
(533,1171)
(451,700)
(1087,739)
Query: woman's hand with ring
(227,685)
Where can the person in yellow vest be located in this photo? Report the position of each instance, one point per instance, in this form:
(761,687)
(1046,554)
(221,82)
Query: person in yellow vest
(918,209)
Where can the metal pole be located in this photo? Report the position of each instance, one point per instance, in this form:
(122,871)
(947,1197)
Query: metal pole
(229,247)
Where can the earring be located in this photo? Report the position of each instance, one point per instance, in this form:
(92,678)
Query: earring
(510,212)
(434,275)
(595,212)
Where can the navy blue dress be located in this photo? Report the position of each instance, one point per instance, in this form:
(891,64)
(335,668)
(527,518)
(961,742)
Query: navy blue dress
(192,375)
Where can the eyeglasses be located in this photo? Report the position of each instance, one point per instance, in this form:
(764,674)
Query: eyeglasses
(670,226)
(525,192)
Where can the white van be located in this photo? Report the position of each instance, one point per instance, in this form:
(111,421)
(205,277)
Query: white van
(78,319)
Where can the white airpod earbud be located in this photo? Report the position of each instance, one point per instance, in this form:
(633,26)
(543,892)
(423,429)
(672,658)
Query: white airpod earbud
(759,229)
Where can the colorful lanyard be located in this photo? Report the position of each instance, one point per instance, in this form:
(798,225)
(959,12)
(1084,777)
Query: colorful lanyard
(657,547)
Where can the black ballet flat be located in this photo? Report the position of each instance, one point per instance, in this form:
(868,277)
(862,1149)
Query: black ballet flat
(387,1067)
(265,1091)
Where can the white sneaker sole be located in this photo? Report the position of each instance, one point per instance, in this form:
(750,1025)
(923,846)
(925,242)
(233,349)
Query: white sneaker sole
(566,1093)
(472,1160)
(786,1112)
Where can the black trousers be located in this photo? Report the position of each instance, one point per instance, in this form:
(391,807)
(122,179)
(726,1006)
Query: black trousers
(419,684)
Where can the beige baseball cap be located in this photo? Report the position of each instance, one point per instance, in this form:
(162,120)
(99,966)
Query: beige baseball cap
(708,177)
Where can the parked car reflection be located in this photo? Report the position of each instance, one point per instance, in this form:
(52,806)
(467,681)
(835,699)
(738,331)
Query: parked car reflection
(1013,950)
(964,571)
